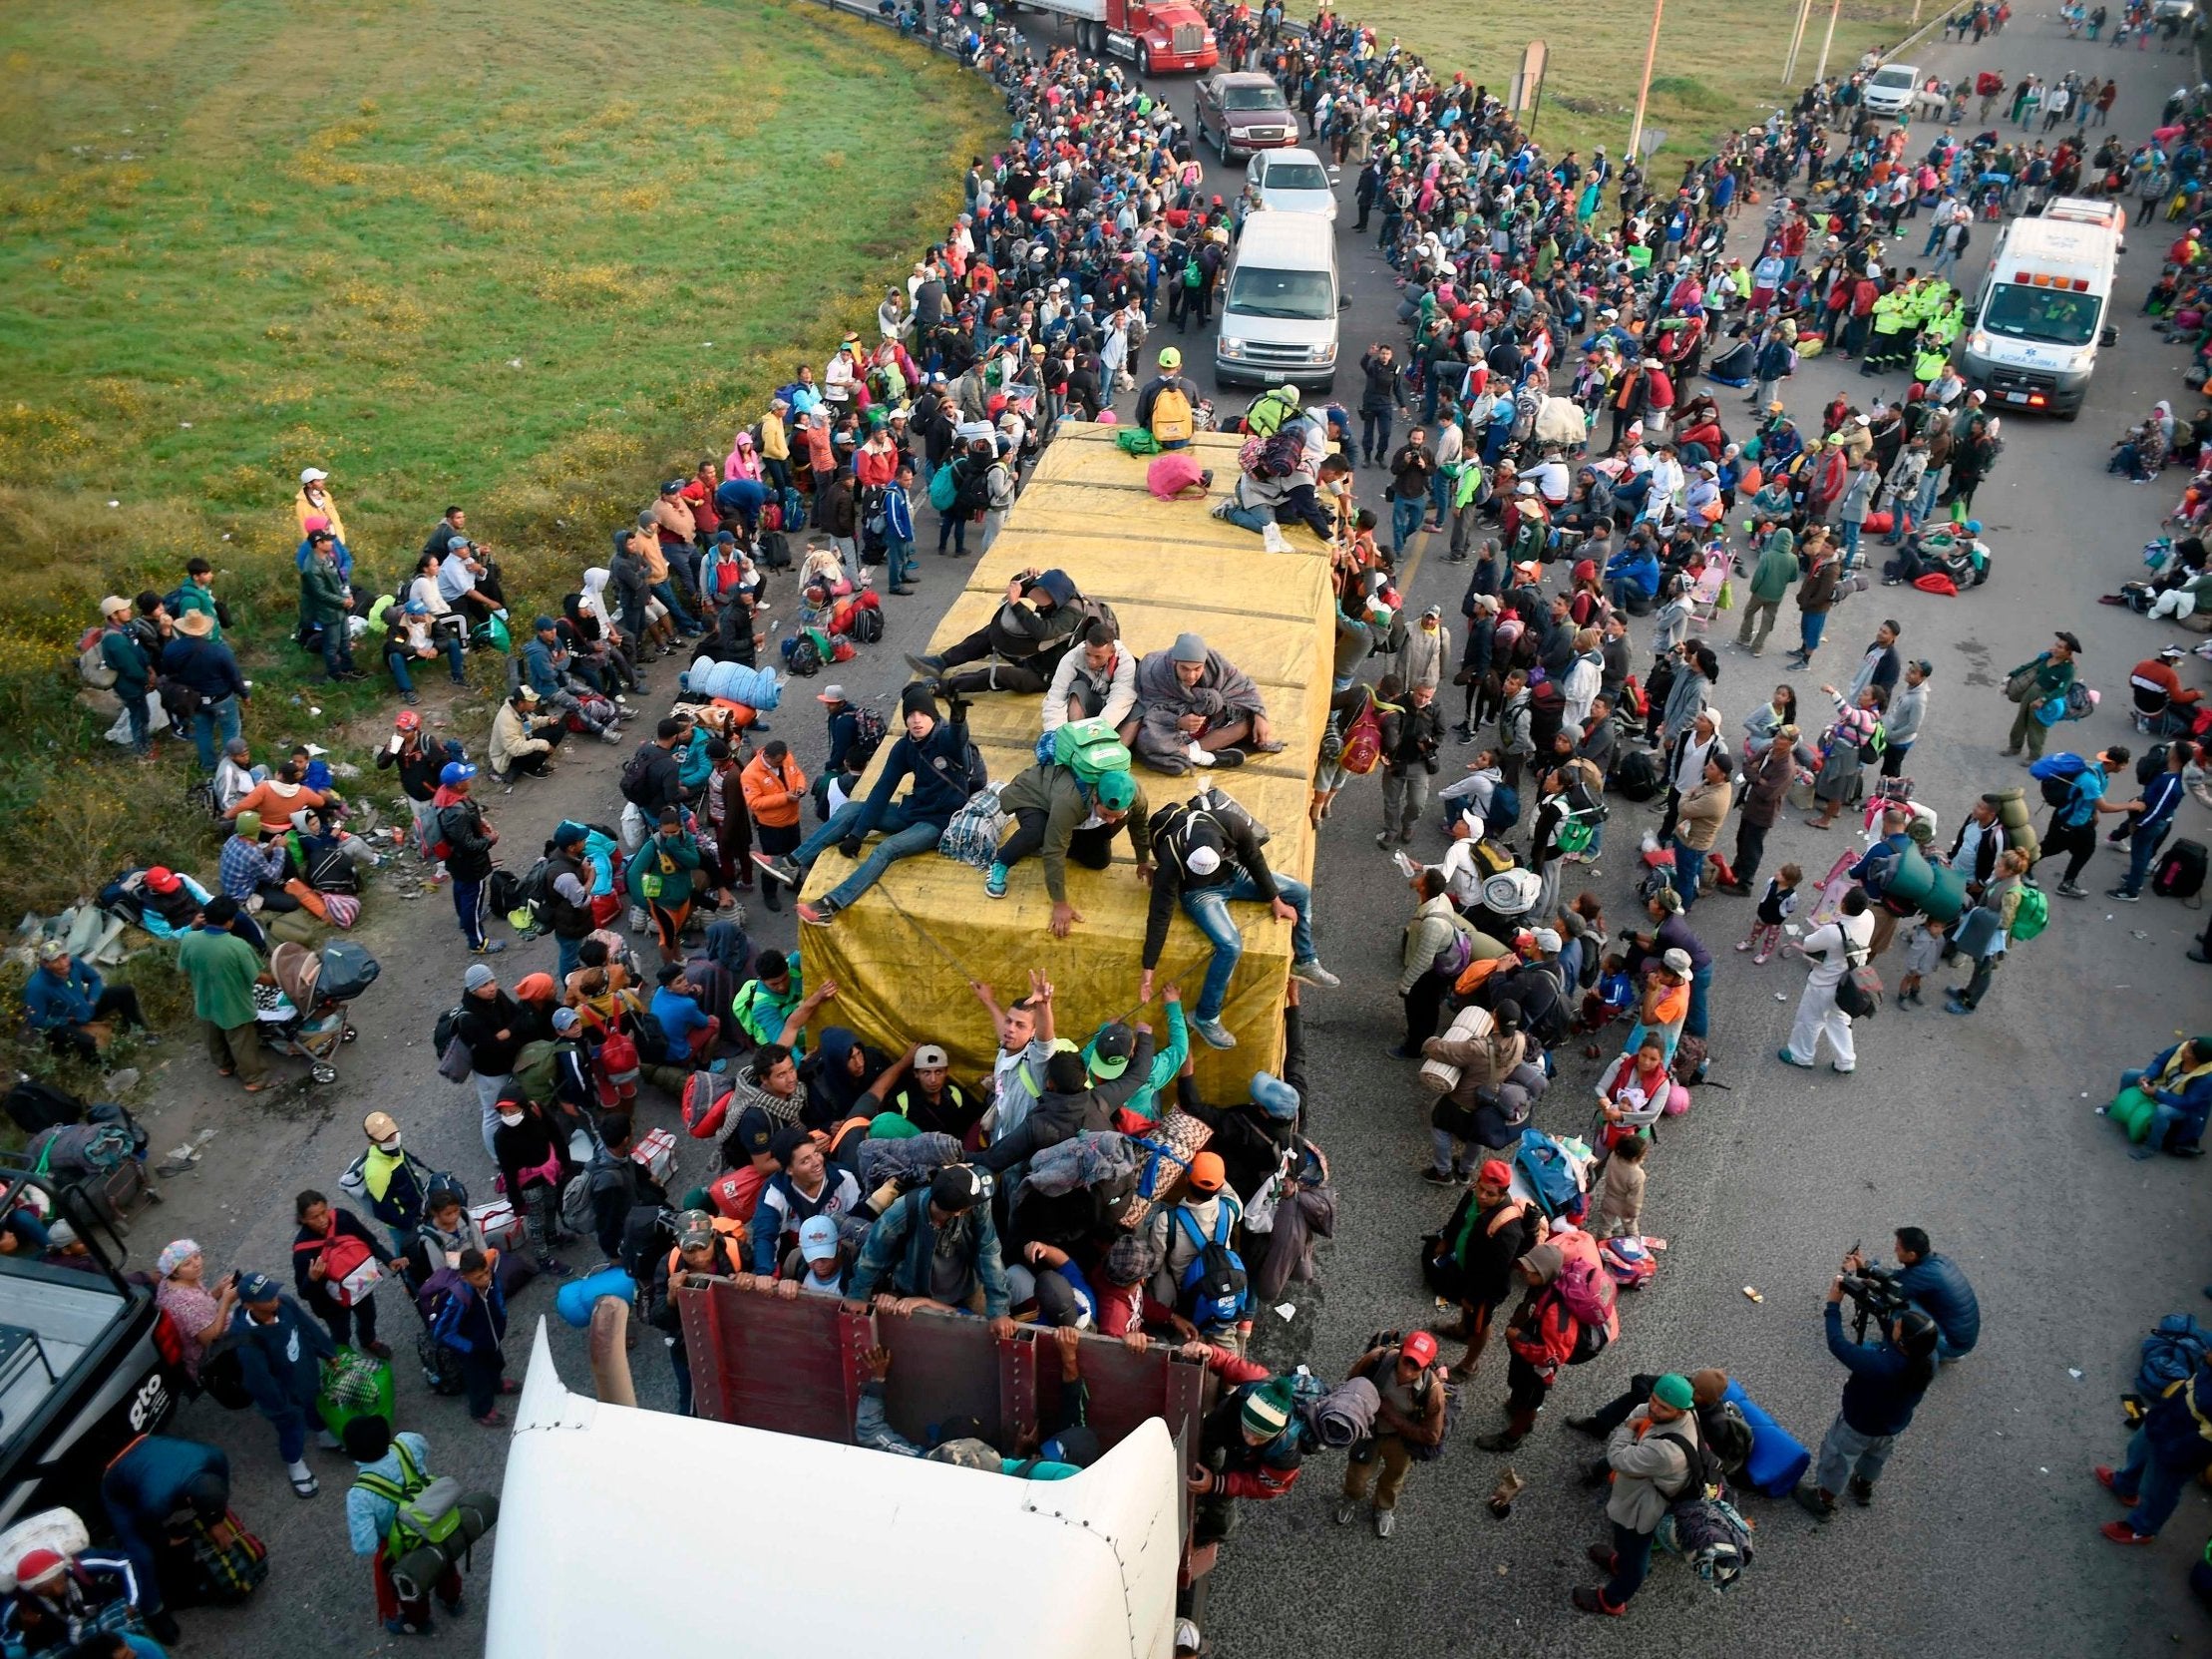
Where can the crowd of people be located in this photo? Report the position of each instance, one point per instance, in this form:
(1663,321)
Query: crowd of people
(1084,1183)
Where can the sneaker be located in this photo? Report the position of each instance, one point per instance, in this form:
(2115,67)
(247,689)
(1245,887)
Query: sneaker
(1397,1052)
(1953,1005)
(411,699)
(1600,1556)
(1438,1178)
(2124,897)
(1788,1058)
(1593,1600)
(994,882)
(1596,1430)
(2067,889)
(1347,1510)
(1386,1522)
(1759,961)
(553,1267)
(454,1608)
(822,913)
(611,734)
(1862,1492)
(1229,758)
(490,948)
(781,867)
(2122,1534)
(494,1419)
(1500,1441)
(1743,944)
(1213,1031)
(398,1626)
(1310,971)
(1815,1502)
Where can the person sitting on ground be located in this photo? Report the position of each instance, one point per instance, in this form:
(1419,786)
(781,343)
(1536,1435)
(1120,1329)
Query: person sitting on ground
(1021,646)
(521,740)
(1196,708)
(73,1008)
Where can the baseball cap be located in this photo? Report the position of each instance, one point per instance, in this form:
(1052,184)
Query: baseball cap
(931,1057)
(1495,1173)
(54,950)
(1419,1347)
(378,1125)
(159,878)
(1208,1172)
(1545,939)
(1170,358)
(1275,1096)
(1116,791)
(456,771)
(817,1239)
(956,1187)
(257,1287)
(313,475)
(1673,1390)
(694,1230)
(525,694)
(112,603)
(830,694)
(1677,960)
(568,833)
(565,1019)
(407,720)
(1110,1055)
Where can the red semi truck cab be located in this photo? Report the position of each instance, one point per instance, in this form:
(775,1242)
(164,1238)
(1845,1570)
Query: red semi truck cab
(1156,35)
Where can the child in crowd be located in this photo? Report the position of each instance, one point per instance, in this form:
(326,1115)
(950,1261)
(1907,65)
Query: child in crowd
(1923,951)
(1612,996)
(1621,1193)
(1774,908)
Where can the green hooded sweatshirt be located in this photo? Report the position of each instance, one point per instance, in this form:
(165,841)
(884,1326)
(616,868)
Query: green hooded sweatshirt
(1776,570)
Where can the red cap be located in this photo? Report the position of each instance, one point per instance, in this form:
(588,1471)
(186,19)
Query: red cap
(1496,1172)
(162,880)
(1420,1348)
(407,720)
(37,1564)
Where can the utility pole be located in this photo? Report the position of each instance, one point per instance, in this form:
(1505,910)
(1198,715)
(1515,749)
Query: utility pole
(1644,87)
(1796,39)
(1827,40)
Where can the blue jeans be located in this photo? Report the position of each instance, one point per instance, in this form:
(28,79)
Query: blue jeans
(899,557)
(1688,864)
(142,721)
(665,591)
(2151,1486)
(901,837)
(337,649)
(1631,1563)
(396,663)
(567,957)
(1375,434)
(1440,498)
(221,715)
(1850,529)
(1700,989)
(2143,852)
(1809,626)
(1405,522)
(1208,908)
(1254,519)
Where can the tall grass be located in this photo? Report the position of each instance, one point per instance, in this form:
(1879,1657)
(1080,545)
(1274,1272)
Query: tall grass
(527,259)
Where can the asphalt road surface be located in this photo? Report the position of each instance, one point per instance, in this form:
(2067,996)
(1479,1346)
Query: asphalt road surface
(1982,1130)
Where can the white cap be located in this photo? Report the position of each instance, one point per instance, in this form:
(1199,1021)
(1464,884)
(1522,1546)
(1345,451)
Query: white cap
(313,475)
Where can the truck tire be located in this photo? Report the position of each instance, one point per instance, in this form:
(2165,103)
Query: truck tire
(1144,58)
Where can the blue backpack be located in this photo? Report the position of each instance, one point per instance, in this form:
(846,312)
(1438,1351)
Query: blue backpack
(1504,813)
(1214,1293)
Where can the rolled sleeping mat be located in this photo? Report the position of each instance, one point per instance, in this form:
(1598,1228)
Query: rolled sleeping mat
(416,1573)
(1911,878)
(1777,1461)
(2013,813)
(1946,896)
(575,1299)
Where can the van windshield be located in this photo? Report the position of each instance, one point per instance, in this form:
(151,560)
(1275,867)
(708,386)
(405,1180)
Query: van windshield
(2055,316)
(1306,295)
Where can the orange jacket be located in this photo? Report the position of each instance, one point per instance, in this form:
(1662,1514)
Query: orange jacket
(764,791)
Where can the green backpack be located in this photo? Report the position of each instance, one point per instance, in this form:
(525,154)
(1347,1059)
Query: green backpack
(1089,749)
(2031,914)
(429,1509)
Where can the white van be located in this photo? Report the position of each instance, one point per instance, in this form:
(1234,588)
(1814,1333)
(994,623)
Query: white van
(2039,319)
(1278,308)
(1890,91)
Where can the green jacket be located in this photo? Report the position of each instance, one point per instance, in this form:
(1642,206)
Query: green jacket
(193,597)
(222,967)
(1053,790)
(2052,678)
(322,593)
(1776,571)
(760,1012)
(676,864)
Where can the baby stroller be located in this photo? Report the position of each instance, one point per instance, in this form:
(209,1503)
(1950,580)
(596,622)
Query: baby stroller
(305,1013)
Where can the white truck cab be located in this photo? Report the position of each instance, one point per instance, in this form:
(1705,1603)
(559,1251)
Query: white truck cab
(2039,319)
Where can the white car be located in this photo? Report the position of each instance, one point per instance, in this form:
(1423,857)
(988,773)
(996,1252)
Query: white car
(1292,182)
(1889,92)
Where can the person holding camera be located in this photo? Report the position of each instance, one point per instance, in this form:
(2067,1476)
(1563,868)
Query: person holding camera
(1886,1382)
(1934,1284)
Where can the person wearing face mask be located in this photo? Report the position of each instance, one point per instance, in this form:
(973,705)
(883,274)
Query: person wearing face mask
(388,1182)
(534,1166)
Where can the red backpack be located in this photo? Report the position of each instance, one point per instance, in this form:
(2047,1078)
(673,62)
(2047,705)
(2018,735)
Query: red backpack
(1584,1285)
(1363,741)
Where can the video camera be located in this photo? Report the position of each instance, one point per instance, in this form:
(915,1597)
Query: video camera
(1876,1293)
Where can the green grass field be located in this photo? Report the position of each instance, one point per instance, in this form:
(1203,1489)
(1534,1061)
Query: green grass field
(527,256)
(1719,61)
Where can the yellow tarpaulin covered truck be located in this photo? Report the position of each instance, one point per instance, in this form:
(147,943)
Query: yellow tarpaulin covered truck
(903,954)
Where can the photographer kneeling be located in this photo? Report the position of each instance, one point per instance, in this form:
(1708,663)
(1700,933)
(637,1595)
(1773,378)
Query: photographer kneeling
(1886,1379)
(1934,1284)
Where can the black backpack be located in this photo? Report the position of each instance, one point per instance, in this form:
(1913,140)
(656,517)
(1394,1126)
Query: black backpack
(447,1028)
(1707,1475)
(634,775)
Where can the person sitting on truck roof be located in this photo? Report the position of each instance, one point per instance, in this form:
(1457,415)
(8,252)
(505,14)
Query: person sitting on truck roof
(748,1160)
(1095,682)
(935,1247)
(1196,708)
(281,1353)
(1057,815)
(1020,646)
(1204,859)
